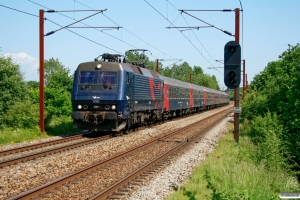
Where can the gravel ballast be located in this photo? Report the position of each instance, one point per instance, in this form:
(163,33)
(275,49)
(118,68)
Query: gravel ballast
(177,173)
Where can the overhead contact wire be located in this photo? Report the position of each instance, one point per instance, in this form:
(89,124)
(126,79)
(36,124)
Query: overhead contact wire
(73,31)
(19,11)
(127,31)
(85,37)
(202,45)
(179,31)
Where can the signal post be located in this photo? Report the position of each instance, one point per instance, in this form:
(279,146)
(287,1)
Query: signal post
(232,71)
(237,90)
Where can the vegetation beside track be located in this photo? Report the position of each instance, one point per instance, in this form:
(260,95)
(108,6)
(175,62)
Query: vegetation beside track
(19,102)
(267,159)
(237,172)
(272,106)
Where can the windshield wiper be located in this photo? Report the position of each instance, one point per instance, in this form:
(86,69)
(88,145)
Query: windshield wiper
(85,86)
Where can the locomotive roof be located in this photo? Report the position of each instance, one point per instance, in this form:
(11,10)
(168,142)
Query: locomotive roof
(91,66)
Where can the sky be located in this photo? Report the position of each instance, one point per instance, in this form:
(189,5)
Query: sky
(266,29)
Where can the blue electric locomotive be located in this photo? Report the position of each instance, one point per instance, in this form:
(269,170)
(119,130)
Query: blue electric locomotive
(109,95)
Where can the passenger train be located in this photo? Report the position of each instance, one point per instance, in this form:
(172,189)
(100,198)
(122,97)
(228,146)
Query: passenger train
(111,95)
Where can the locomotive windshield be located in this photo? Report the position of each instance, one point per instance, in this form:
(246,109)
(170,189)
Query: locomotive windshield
(88,77)
(108,77)
(98,80)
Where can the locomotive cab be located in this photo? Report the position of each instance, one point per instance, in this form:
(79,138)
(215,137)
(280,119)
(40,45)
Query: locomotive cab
(96,96)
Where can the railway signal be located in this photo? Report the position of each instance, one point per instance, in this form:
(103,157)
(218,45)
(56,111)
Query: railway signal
(232,64)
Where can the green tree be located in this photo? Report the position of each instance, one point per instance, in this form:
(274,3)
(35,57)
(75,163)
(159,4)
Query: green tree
(32,85)
(197,70)
(182,72)
(12,86)
(277,90)
(57,75)
(166,72)
(136,57)
(58,88)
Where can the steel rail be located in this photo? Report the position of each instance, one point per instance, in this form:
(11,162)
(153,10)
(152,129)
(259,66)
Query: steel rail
(40,145)
(69,178)
(51,151)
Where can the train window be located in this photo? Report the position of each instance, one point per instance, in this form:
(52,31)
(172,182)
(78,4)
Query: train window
(108,78)
(127,78)
(88,77)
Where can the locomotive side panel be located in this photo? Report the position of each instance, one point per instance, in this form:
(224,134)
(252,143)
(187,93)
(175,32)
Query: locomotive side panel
(147,93)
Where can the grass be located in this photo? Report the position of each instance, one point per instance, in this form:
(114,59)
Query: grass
(57,126)
(9,135)
(230,173)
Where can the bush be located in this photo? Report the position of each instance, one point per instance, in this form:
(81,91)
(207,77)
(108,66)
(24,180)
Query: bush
(58,101)
(62,125)
(270,150)
(256,105)
(22,115)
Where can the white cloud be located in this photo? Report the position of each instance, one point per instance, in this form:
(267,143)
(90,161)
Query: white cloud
(29,65)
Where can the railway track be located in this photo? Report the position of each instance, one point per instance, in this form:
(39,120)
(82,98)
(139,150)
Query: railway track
(12,161)
(64,140)
(40,145)
(118,175)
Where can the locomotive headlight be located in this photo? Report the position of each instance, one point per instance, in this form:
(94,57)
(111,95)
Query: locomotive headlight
(99,66)
(113,107)
(79,107)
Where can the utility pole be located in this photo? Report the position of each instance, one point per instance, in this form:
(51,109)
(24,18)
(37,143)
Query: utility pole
(41,30)
(237,90)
